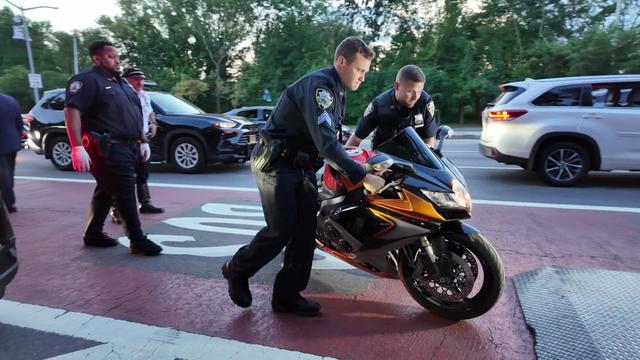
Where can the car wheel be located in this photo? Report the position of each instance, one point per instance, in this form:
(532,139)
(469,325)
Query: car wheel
(60,153)
(564,164)
(187,155)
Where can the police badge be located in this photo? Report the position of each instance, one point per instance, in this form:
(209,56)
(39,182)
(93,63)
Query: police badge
(418,120)
(74,87)
(323,98)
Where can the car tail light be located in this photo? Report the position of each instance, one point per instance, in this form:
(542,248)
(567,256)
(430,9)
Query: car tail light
(505,115)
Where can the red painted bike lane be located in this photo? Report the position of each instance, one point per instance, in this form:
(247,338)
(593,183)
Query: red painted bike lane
(363,317)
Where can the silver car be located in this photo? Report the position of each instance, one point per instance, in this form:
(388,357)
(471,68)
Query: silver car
(563,128)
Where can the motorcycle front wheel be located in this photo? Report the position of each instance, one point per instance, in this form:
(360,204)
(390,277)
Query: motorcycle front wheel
(469,285)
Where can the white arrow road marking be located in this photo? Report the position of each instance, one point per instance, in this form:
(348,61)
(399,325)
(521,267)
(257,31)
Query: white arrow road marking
(199,223)
(322,261)
(228,209)
(133,341)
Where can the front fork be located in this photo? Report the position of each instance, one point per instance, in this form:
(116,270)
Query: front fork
(436,250)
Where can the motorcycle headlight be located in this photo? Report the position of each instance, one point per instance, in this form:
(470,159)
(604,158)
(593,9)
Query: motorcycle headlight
(459,199)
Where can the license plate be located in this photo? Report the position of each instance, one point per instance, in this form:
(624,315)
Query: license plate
(253,139)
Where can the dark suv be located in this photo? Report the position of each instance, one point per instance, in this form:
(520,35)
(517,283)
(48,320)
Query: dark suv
(187,137)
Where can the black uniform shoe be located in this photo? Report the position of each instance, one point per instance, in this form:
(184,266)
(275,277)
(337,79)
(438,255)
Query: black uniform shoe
(99,240)
(144,197)
(145,247)
(297,305)
(148,208)
(238,287)
(115,216)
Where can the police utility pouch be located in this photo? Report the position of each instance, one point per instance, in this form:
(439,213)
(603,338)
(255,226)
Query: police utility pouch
(268,151)
(104,143)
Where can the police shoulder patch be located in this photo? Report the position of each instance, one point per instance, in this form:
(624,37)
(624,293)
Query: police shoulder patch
(368,110)
(431,107)
(324,98)
(74,87)
(325,118)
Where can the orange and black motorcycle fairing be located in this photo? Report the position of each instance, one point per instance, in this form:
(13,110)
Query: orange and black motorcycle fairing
(412,228)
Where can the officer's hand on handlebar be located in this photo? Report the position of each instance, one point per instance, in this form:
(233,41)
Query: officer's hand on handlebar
(373,183)
(80,159)
(145,151)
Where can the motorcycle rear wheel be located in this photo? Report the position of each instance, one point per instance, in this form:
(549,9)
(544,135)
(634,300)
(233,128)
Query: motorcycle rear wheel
(484,268)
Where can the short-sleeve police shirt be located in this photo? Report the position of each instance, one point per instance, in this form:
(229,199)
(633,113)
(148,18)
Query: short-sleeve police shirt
(385,115)
(147,109)
(107,104)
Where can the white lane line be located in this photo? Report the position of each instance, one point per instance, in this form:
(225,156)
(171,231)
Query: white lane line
(42,178)
(128,340)
(489,167)
(482,202)
(167,185)
(558,206)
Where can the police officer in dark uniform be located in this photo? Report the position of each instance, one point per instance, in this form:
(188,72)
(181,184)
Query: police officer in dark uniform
(405,104)
(104,123)
(301,130)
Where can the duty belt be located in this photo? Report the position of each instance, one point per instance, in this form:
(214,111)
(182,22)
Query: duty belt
(124,141)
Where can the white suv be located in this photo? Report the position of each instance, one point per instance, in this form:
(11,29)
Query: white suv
(565,127)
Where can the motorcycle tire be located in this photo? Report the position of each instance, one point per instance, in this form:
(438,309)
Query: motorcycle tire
(468,307)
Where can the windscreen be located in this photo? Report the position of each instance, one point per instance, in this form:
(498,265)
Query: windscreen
(507,94)
(174,105)
(407,145)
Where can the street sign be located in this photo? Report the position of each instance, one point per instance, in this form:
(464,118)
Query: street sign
(35,81)
(18,32)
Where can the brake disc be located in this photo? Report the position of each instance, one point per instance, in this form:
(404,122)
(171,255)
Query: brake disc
(468,257)
(454,289)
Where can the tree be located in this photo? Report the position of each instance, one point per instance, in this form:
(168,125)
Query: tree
(12,82)
(197,38)
(190,89)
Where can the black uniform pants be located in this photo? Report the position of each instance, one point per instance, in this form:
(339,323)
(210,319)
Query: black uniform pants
(142,172)
(7,171)
(115,178)
(290,209)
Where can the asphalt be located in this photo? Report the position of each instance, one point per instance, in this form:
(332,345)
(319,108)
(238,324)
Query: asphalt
(363,317)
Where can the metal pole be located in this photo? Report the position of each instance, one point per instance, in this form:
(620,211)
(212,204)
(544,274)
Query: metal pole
(75,53)
(27,40)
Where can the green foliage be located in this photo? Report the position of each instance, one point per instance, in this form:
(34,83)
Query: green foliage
(224,53)
(190,89)
(12,82)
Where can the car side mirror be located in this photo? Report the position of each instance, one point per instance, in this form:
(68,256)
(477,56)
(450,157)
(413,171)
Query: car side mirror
(379,163)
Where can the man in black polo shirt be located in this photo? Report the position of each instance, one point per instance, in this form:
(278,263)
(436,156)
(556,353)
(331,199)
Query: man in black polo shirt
(104,123)
(405,104)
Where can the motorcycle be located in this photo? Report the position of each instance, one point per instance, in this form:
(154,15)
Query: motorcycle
(412,228)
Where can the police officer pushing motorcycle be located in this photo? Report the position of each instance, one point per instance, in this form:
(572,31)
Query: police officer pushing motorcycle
(300,133)
(405,104)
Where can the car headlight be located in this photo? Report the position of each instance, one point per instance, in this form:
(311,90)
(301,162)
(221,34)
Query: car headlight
(224,124)
(459,199)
